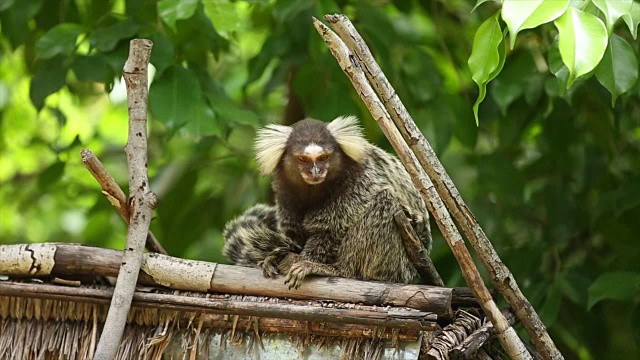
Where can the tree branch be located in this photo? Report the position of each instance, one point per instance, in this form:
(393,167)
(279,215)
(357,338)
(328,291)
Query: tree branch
(142,200)
(501,277)
(353,69)
(115,195)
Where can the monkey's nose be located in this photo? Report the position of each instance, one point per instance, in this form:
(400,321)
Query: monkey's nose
(315,171)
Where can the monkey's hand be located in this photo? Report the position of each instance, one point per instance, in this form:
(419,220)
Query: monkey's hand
(302,268)
(269,266)
(298,272)
(278,262)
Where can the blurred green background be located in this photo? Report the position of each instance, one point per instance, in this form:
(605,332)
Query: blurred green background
(553,177)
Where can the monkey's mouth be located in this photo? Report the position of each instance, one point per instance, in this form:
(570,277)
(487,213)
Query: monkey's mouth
(313,180)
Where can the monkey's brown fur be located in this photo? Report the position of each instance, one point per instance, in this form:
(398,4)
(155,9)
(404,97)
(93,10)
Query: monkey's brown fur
(336,195)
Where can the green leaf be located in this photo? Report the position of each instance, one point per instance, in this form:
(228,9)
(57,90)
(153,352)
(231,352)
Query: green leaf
(621,285)
(229,110)
(92,68)
(106,38)
(618,70)
(173,10)
(480,2)
(49,78)
(223,15)
(16,20)
(60,40)
(486,60)
(175,96)
(632,19)
(582,42)
(613,10)
(204,122)
(197,37)
(520,15)
(557,67)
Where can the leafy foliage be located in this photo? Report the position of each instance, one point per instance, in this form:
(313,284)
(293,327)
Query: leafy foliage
(551,171)
(583,32)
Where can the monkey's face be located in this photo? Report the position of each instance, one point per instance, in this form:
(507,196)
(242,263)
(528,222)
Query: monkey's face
(312,162)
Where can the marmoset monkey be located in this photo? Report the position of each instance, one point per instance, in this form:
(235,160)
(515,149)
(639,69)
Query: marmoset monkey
(336,195)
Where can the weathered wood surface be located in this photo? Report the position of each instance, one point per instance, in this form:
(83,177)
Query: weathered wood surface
(73,261)
(409,319)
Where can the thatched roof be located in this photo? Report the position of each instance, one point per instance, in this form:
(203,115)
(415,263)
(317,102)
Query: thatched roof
(54,301)
(68,327)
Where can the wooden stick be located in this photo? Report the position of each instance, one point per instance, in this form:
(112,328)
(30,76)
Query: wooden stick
(501,277)
(416,251)
(115,195)
(69,260)
(353,69)
(142,201)
(362,315)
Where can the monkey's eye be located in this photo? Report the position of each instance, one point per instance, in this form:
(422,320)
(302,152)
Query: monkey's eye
(323,157)
(303,159)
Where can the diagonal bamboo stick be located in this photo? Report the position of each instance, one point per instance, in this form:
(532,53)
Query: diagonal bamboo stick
(501,277)
(352,68)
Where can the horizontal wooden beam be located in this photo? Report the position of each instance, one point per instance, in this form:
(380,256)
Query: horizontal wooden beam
(316,312)
(70,261)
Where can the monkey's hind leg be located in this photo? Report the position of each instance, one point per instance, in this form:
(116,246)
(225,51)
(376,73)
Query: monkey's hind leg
(251,238)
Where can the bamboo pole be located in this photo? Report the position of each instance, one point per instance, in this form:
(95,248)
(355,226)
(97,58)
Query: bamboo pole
(353,69)
(500,275)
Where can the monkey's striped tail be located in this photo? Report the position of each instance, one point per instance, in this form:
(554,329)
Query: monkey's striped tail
(250,238)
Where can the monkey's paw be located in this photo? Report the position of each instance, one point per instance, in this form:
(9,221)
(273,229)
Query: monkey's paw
(297,273)
(269,266)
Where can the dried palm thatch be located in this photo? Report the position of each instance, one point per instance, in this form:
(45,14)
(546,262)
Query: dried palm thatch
(67,327)
(183,309)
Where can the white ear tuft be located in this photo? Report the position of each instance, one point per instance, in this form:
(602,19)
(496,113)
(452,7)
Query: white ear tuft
(348,134)
(270,144)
